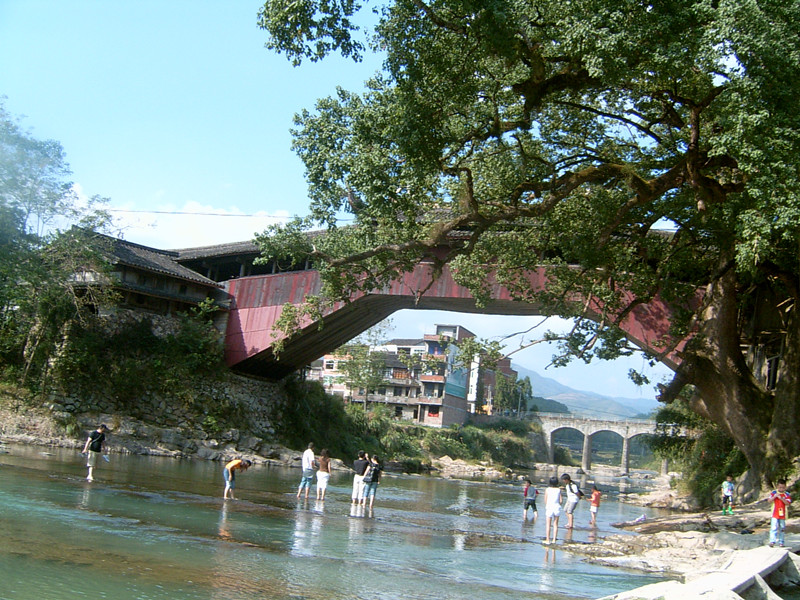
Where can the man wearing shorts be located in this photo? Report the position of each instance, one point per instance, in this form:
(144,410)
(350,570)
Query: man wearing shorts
(93,448)
(229,475)
(573,495)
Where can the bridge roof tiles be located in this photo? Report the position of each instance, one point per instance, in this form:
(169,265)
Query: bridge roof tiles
(153,260)
(246,247)
(229,249)
(405,342)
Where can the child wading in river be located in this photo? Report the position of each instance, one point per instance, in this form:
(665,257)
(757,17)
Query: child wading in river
(529,494)
(552,510)
(594,505)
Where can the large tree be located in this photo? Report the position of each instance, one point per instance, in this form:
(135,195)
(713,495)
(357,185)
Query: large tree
(39,253)
(516,133)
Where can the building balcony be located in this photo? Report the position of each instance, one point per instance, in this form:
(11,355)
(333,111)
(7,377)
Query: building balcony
(401,400)
(432,378)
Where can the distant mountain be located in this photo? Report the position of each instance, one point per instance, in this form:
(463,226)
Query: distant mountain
(549,405)
(585,403)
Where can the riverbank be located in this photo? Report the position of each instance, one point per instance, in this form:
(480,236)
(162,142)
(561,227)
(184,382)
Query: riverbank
(687,545)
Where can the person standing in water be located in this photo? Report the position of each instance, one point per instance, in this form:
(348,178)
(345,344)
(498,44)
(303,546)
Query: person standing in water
(229,474)
(372,477)
(308,470)
(573,496)
(359,466)
(529,494)
(93,449)
(594,502)
(552,510)
(323,473)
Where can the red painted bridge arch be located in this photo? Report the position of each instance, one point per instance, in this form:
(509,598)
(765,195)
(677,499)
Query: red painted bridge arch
(257,303)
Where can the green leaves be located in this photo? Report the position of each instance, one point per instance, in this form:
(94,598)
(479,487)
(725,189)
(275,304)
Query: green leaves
(628,147)
(311,28)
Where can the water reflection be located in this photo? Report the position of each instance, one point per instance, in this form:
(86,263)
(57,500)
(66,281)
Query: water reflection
(86,497)
(170,537)
(461,507)
(224,531)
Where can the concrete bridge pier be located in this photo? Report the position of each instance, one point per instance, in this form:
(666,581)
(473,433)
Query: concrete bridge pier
(586,459)
(626,449)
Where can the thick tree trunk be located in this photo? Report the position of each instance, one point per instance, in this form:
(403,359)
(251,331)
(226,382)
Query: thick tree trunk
(783,442)
(727,392)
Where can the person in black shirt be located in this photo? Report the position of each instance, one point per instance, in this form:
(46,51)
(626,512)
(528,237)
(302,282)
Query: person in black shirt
(93,448)
(371,479)
(359,466)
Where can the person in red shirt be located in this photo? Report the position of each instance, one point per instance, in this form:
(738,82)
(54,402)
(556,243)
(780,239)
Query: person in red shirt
(594,505)
(781,499)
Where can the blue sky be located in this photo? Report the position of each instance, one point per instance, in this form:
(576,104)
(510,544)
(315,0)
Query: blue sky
(176,107)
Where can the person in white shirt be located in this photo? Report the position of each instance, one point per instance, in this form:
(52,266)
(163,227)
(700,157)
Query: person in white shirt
(552,510)
(308,470)
(573,495)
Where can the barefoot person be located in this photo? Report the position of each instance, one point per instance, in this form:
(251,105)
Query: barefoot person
(229,474)
(595,505)
(573,495)
(529,494)
(552,510)
(372,477)
(359,466)
(323,473)
(93,449)
(308,470)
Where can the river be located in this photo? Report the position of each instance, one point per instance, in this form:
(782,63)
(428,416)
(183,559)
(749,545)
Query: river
(157,528)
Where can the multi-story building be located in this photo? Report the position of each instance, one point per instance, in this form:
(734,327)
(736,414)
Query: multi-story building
(422,381)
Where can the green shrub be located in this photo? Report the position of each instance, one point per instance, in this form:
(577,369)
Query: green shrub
(705,457)
(131,361)
(312,415)
(562,456)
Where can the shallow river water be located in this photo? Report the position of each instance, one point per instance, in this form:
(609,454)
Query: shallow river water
(157,528)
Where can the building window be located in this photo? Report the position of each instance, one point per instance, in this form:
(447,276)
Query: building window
(772,372)
(433,411)
(398,411)
(330,365)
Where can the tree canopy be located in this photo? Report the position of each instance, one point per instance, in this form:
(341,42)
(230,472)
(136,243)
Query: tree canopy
(644,148)
(39,255)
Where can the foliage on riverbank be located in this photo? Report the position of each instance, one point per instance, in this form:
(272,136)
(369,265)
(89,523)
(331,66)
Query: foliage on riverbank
(698,448)
(126,359)
(313,415)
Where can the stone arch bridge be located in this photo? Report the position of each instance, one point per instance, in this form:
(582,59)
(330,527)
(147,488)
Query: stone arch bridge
(628,429)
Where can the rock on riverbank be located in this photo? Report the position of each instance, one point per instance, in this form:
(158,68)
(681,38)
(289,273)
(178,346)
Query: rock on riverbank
(131,436)
(687,545)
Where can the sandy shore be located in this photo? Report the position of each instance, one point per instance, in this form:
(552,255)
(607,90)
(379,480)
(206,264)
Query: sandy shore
(687,545)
